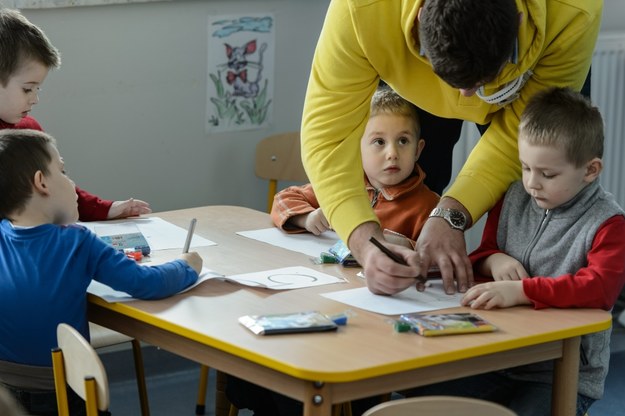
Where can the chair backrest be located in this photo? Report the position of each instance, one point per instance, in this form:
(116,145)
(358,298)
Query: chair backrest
(278,158)
(76,364)
(439,405)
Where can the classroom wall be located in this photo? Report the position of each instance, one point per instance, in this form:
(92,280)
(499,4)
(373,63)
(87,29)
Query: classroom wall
(129,102)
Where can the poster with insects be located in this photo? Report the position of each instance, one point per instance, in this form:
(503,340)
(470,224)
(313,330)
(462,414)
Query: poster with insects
(241,53)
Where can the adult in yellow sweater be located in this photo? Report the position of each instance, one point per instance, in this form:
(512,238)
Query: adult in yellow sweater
(478,61)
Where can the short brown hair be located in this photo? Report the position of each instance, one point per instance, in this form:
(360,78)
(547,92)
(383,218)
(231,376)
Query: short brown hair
(386,101)
(21,40)
(560,117)
(22,154)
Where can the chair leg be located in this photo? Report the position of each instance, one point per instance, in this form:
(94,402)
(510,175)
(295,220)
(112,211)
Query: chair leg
(91,397)
(200,407)
(141,385)
(60,382)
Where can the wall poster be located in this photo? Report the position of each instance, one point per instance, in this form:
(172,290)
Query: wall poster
(241,53)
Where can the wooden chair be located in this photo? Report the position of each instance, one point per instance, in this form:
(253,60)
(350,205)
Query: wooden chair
(76,363)
(278,158)
(439,405)
(103,337)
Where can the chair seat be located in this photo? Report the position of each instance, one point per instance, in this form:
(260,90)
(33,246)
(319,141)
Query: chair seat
(103,337)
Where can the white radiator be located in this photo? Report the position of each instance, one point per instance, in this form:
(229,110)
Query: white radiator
(608,93)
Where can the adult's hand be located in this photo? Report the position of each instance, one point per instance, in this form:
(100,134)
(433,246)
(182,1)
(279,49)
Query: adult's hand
(439,244)
(384,276)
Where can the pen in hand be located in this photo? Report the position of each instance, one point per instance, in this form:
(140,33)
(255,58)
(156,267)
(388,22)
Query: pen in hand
(388,252)
(187,243)
(393,256)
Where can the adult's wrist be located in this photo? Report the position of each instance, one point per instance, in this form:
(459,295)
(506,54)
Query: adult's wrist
(447,202)
(359,238)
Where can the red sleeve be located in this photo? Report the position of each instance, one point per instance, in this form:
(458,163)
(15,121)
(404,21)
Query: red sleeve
(597,285)
(488,245)
(290,202)
(91,207)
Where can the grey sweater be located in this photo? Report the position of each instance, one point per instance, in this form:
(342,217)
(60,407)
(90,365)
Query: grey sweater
(552,243)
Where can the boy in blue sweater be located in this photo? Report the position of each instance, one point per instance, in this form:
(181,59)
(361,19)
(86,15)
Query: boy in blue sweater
(47,263)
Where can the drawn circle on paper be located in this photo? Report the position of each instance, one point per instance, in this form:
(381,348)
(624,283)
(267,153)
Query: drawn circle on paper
(291,278)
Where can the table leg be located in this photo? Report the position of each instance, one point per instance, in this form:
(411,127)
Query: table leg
(565,378)
(318,401)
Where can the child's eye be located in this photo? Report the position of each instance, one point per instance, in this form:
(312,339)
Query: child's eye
(404,140)
(379,142)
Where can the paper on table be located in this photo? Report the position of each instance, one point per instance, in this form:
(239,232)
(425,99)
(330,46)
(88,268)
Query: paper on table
(286,278)
(306,243)
(408,301)
(160,234)
(277,279)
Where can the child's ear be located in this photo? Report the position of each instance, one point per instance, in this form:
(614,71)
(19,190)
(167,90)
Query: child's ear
(40,183)
(593,169)
(420,146)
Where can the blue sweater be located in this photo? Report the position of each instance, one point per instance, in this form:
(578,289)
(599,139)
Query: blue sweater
(44,275)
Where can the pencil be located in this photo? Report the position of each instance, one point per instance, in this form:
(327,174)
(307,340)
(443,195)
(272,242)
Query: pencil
(388,252)
(393,256)
(187,243)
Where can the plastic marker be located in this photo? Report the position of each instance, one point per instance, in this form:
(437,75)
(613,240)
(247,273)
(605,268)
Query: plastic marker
(187,243)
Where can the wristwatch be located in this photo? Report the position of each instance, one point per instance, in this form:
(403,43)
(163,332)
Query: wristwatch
(456,219)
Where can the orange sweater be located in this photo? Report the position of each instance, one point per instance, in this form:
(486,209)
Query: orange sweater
(402,208)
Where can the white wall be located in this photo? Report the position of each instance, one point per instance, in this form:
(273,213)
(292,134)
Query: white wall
(129,102)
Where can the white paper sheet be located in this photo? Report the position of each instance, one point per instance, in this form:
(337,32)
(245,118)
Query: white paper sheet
(160,234)
(408,301)
(307,243)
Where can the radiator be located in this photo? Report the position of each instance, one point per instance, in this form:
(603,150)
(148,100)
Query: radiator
(608,93)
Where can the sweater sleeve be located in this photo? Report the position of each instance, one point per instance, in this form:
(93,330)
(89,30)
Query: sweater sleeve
(597,285)
(290,202)
(114,269)
(92,207)
(488,246)
(336,109)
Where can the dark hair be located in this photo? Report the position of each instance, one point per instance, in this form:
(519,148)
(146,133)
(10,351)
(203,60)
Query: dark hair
(468,41)
(560,117)
(22,154)
(386,101)
(20,40)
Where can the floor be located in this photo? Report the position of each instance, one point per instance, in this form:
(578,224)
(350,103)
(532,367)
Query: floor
(173,381)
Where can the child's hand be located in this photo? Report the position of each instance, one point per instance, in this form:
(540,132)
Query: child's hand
(128,208)
(502,294)
(504,267)
(193,260)
(316,222)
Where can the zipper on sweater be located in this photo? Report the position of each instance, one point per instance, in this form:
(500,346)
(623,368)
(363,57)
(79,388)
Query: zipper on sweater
(376,194)
(530,246)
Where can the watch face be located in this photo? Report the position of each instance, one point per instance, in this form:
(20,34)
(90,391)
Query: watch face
(457,219)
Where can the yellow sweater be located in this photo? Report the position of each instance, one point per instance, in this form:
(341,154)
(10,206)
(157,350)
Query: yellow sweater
(365,40)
